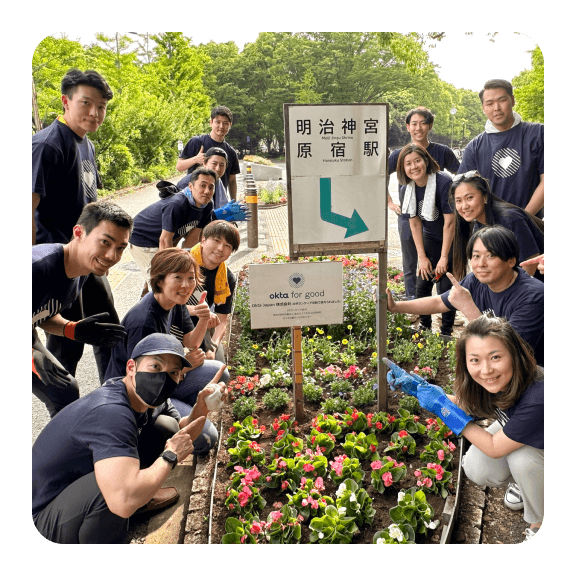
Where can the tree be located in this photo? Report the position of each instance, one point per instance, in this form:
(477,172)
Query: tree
(529,89)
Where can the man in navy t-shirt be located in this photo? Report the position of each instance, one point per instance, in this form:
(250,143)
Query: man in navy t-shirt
(192,155)
(58,275)
(87,473)
(64,179)
(182,215)
(510,152)
(419,122)
(496,284)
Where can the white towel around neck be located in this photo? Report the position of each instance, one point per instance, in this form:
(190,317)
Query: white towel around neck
(491,129)
(428,207)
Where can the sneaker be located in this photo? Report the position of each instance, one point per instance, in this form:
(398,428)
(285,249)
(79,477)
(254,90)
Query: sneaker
(530,533)
(513,497)
(446,337)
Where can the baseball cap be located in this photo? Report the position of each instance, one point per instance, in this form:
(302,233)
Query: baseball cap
(216,151)
(160,344)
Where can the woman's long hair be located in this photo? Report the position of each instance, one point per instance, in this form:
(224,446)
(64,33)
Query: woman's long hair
(471,396)
(494,208)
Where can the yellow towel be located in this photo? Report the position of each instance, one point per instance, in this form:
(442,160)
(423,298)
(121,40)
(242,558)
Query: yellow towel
(221,288)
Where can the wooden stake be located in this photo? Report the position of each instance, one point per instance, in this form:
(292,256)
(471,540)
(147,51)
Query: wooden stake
(297,373)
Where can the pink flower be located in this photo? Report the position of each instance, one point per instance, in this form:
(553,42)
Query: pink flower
(308,467)
(268,478)
(284,484)
(387,479)
(305,502)
(313,504)
(438,476)
(282,464)
(428,482)
(319,483)
(376,465)
(417,473)
(242,539)
(255,528)
(440,455)
(277,505)
(254,422)
(300,517)
(276,515)
(451,446)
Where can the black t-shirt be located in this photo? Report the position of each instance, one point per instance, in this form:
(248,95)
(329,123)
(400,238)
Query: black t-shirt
(204,140)
(52,290)
(208,285)
(174,214)
(65,176)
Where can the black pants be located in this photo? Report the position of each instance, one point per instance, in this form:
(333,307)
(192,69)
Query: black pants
(79,514)
(96,297)
(433,250)
(54,397)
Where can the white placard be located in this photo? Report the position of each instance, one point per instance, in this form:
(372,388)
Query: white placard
(296,294)
(337,157)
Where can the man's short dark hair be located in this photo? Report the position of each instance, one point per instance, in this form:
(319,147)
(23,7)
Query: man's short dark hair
(498,240)
(205,171)
(493,85)
(103,211)
(223,229)
(75,78)
(424,112)
(221,111)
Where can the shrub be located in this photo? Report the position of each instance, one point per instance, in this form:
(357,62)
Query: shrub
(340,388)
(312,392)
(258,160)
(363,396)
(410,404)
(404,351)
(333,405)
(275,398)
(243,407)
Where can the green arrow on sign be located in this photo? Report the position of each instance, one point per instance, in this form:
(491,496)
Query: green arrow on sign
(354,225)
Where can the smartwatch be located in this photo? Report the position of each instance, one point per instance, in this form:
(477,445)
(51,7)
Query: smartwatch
(170,457)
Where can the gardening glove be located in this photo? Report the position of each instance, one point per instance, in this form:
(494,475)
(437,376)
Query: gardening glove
(398,377)
(233,212)
(92,331)
(166,189)
(50,373)
(434,399)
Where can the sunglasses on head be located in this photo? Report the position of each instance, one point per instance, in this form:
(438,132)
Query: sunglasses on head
(469,174)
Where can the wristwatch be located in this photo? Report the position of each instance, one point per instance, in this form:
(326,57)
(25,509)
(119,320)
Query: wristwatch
(170,457)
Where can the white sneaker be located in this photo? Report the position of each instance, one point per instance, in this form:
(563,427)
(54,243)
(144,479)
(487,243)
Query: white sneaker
(513,497)
(529,533)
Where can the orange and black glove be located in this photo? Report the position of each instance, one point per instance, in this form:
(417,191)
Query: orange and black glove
(93,331)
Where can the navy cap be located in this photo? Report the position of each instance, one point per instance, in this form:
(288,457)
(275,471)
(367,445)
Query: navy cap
(216,151)
(160,344)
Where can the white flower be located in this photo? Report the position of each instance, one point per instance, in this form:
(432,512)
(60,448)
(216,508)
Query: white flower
(342,511)
(401,496)
(353,498)
(341,489)
(380,541)
(432,525)
(395,532)
(265,379)
(320,535)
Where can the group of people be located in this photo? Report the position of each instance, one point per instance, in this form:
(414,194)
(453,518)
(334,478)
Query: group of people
(486,218)
(104,457)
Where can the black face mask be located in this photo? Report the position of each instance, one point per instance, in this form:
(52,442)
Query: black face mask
(154,387)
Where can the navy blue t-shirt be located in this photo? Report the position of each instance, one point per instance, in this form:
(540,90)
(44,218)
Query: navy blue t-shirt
(173,214)
(530,237)
(443,154)
(52,290)
(433,229)
(524,421)
(65,176)
(97,426)
(204,140)
(522,304)
(145,318)
(512,161)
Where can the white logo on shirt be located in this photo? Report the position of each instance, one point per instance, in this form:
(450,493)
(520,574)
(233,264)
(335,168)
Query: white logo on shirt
(506,162)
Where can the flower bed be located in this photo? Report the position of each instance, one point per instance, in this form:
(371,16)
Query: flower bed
(348,474)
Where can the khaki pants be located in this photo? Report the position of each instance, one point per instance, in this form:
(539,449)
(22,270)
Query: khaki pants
(143,256)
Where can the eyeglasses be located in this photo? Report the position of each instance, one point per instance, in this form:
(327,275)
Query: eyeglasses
(468,174)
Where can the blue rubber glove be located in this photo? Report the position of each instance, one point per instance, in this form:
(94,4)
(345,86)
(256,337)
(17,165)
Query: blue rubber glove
(397,377)
(434,399)
(233,212)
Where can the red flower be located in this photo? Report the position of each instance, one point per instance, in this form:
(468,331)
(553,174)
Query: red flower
(241,379)
(402,434)
(379,425)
